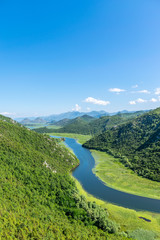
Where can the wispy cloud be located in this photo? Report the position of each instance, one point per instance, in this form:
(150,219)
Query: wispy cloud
(139,100)
(116,90)
(153,100)
(132,102)
(96,101)
(76,108)
(157,91)
(144,91)
(135,86)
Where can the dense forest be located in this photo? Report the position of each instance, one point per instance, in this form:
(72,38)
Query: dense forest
(136,143)
(88,125)
(38,198)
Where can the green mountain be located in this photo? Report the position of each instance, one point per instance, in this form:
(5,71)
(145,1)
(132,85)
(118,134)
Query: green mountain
(76,125)
(62,122)
(136,143)
(26,121)
(102,124)
(38,198)
(89,125)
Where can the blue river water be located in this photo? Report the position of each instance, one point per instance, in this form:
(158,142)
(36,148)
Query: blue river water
(93,185)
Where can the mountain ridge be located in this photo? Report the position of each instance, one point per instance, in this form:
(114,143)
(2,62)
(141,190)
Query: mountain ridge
(74,114)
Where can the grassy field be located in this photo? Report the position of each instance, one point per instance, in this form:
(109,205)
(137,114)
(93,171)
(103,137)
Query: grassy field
(53,127)
(128,219)
(115,175)
(35,125)
(79,137)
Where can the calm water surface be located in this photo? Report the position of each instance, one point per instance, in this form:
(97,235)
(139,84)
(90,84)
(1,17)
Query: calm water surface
(93,185)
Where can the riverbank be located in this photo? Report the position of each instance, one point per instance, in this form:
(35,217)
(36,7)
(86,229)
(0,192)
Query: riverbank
(129,220)
(115,175)
(79,137)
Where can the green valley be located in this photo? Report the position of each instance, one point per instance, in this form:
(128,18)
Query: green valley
(40,199)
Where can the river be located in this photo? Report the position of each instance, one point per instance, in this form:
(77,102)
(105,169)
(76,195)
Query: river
(93,185)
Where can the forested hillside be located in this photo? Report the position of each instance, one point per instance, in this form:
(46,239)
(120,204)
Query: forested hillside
(38,198)
(90,126)
(137,143)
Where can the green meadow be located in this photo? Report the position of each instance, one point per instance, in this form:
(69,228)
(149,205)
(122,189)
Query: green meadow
(53,127)
(128,219)
(115,175)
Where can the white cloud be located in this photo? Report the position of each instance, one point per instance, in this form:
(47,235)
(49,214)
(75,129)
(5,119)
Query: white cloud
(88,109)
(135,86)
(76,108)
(140,100)
(153,100)
(157,91)
(132,102)
(116,90)
(96,101)
(144,91)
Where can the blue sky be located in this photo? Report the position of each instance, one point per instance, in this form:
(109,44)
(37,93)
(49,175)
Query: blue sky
(58,56)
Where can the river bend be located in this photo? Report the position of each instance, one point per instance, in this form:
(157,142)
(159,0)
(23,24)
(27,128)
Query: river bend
(93,185)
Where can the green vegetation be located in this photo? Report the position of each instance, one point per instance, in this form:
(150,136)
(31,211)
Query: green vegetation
(38,198)
(62,122)
(129,220)
(87,125)
(53,127)
(136,143)
(33,125)
(116,175)
(79,137)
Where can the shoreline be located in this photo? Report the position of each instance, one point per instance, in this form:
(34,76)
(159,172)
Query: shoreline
(99,172)
(123,179)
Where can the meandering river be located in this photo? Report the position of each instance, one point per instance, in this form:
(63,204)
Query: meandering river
(93,185)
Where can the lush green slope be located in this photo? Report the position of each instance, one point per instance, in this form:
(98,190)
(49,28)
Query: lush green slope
(89,126)
(61,123)
(77,125)
(38,198)
(102,124)
(137,143)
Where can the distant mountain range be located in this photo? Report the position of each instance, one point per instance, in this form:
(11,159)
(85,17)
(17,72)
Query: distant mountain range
(67,115)
(27,121)
(89,125)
